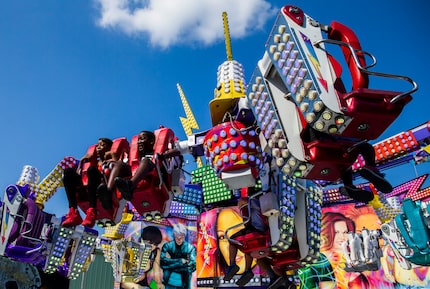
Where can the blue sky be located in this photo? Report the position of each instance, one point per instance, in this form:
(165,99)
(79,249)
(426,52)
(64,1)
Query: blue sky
(74,71)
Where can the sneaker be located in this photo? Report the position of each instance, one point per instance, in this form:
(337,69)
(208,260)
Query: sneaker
(90,218)
(105,197)
(376,178)
(277,283)
(230,271)
(125,187)
(73,218)
(356,194)
(245,278)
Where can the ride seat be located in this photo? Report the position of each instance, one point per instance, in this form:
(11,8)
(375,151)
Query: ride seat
(152,193)
(372,110)
(255,242)
(121,147)
(329,158)
(288,259)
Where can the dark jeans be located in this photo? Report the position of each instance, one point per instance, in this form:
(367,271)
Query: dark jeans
(73,186)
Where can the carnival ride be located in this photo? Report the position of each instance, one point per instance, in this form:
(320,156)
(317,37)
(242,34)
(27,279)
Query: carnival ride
(259,138)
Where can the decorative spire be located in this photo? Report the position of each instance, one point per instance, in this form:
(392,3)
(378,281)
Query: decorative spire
(227,37)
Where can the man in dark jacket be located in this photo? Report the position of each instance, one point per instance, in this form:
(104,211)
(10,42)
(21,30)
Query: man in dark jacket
(178,260)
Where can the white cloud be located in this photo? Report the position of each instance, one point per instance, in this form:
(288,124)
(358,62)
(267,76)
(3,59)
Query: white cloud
(171,22)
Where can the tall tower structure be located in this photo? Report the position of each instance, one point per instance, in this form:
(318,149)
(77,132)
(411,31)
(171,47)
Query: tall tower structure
(230,82)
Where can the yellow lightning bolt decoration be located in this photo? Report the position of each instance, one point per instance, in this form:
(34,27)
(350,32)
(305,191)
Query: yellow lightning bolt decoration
(188,123)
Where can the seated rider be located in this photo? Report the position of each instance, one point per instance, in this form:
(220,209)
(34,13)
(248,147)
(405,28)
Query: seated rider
(73,185)
(105,191)
(145,146)
(368,172)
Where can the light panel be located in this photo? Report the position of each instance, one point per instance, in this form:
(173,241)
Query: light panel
(214,189)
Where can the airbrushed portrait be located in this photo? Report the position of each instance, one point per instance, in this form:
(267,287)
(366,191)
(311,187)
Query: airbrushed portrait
(172,260)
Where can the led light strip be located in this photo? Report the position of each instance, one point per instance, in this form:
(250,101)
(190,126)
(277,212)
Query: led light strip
(181,210)
(272,129)
(287,202)
(303,70)
(193,194)
(230,80)
(144,253)
(313,222)
(84,243)
(106,246)
(214,189)
(117,231)
(60,243)
(49,185)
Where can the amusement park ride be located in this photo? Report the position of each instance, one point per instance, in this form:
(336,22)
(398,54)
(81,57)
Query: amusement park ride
(258,139)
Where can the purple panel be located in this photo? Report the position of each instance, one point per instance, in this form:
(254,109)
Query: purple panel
(421,132)
(11,191)
(20,253)
(15,231)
